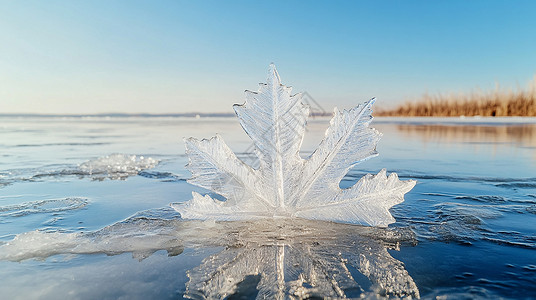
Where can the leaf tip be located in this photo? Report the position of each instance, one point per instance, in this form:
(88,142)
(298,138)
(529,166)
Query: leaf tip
(190,142)
(273,76)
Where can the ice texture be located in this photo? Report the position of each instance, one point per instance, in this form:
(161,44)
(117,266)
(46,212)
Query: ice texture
(284,184)
(42,206)
(140,235)
(114,167)
(294,258)
(117,166)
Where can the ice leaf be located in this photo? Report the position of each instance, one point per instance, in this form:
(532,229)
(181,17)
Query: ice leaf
(205,207)
(285,185)
(275,121)
(348,141)
(366,203)
(215,167)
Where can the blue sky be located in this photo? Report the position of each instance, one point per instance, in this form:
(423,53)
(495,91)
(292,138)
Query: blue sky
(178,56)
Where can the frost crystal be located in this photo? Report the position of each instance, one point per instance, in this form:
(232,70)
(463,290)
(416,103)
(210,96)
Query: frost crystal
(286,185)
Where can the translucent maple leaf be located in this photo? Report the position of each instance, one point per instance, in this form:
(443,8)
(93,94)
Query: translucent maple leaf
(285,184)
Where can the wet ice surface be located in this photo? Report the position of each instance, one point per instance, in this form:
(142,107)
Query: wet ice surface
(467,229)
(287,257)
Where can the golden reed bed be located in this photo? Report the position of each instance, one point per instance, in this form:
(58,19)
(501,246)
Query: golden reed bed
(498,103)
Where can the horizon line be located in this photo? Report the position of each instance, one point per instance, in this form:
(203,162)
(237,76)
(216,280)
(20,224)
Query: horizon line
(127,115)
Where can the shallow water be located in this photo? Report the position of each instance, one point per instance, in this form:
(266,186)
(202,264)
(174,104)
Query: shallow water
(84,214)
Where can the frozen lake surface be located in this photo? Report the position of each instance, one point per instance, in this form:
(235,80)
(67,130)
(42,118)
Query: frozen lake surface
(84,214)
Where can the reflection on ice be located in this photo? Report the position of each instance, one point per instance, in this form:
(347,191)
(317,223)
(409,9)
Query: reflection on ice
(304,259)
(267,258)
(520,134)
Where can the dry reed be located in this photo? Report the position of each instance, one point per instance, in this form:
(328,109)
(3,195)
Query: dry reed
(498,103)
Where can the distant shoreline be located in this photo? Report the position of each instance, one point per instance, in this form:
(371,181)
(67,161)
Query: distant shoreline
(497,103)
(474,120)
